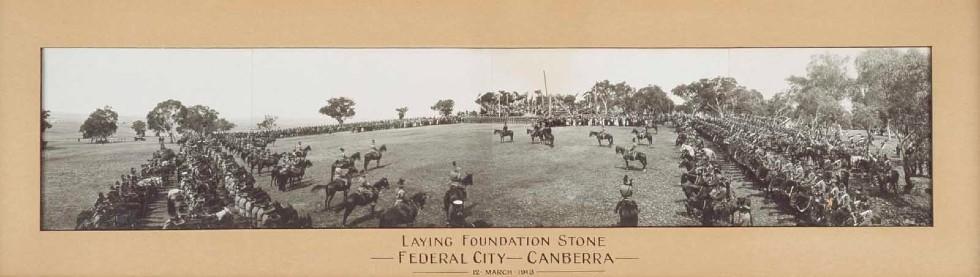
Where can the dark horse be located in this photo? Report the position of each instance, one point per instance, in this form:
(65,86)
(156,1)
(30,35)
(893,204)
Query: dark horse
(403,213)
(361,199)
(889,182)
(543,134)
(628,213)
(635,156)
(374,156)
(256,161)
(503,134)
(335,186)
(87,220)
(641,136)
(290,174)
(344,164)
(599,137)
(456,193)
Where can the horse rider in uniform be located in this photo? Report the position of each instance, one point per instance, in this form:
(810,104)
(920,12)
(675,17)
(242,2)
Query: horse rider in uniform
(338,174)
(626,189)
(505,126)
(400,194)
(343,156)
(456,176)
(298,149)
(373,147)
(632,150)
(363,187)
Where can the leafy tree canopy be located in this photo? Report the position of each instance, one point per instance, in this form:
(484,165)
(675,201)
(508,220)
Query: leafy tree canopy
(444,107)
(339,108)
(100,124)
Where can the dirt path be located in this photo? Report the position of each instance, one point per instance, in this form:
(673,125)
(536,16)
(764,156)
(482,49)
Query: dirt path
(765,212)
(157,214)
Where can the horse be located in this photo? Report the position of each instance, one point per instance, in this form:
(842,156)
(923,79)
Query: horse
(742,216)
(642,135)
(305,151)
(710,204)
(503,134)
(889,182)
(361,199)
(261,162)
(533,133)
(681,139)
(456,193)
(543,134)
(601,136)
(403,213)
(628,212)
(690,185)
(345,164)
(374,156)
(635,156)
(331,188)
(291,174)
(88,220)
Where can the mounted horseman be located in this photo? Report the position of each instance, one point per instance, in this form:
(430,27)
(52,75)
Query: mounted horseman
(366,195)
(602,135)
(632,155)
(643,134)
(627,209)
(343,162)
(456,194)
(374,155)
(504,133)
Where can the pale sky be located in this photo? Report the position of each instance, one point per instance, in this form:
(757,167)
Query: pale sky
(245,84)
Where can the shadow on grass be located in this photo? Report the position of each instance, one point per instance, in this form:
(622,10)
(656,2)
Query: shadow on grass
(302,184)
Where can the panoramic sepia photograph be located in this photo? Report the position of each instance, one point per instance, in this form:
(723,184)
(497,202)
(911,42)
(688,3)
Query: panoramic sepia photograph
(293,138)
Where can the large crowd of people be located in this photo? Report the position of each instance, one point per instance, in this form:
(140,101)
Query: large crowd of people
(809,169)
(129,198)
(355,127)
(212,190)
(573,120)
(215,191)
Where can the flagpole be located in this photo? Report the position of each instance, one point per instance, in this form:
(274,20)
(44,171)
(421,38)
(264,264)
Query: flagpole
(545,74)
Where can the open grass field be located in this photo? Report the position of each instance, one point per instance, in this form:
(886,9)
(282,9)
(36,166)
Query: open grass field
(516,184)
